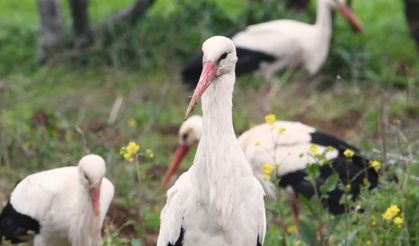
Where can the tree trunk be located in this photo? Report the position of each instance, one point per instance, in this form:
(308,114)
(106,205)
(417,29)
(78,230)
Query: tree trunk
(411,10)
(52,30)
(81,23)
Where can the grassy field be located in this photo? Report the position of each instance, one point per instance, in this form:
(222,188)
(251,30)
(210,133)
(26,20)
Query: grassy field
(52,115)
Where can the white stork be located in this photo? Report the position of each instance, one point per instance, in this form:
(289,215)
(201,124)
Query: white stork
(288,143)
(269,47)
(218,201)
(61,206)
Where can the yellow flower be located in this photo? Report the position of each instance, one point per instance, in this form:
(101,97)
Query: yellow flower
(257,143)
(291,229)
(282,130)
(267,169)
(365,181)
(149,153)
(129,151)
(314,149)
(132,123)
(375,164)
(270,119)
(348,153)
(391,212)
(398,221)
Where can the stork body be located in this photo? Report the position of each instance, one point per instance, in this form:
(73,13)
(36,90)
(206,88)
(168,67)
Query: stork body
(269,47)
(62,206)
(217,201)
(288,144)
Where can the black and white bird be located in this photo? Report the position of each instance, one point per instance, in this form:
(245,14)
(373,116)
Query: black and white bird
(217,201)
(62,206)
(290,144)
(269,47)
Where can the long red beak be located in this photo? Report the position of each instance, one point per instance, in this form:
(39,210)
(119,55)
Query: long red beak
(352,19)
(180,153)
(209,71)
(95,196)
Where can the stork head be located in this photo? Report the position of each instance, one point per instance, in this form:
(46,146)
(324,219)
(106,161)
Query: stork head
(219,58)
(340,6)
(189,135)
(92,169)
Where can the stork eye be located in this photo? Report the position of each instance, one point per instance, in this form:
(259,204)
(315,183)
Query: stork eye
(87,178)
(184,137)
(223,56)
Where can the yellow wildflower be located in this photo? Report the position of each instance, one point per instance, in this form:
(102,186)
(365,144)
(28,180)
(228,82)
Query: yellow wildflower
(129,151)
(282,130)
(149,153)
(398,221)
(132,123)
(348,153)
(314,149)
(365,181)
(267,168)
(292,229)
(391,212)
(375,164)
(257,143)
(270,119)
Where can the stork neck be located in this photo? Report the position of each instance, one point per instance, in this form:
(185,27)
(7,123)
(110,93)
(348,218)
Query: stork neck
(324,17)
(217,108)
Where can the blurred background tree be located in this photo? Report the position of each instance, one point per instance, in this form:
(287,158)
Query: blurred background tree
(52,38)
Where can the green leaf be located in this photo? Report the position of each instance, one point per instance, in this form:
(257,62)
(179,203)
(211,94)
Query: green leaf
(308,234)
(308,204)
(333,225)
(330,183)
(312,171)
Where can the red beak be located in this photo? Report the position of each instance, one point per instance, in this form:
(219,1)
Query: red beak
(352,19)
(208,74)
(173,167)
(95,196)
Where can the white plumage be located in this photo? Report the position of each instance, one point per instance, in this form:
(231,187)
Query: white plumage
(217,201)
(62,206)
(269,47)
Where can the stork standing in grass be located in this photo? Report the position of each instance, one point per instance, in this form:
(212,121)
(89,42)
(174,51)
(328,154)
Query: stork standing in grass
(291,145)
(217,201)
(269,47)
(62,206)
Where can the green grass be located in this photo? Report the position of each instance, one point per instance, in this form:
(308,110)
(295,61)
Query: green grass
(78,100)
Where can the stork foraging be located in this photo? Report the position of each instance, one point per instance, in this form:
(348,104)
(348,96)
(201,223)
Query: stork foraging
(269,47)
(61,206)
(217,201)
(290,144)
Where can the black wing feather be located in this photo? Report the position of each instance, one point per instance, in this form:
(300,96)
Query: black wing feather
(15,226)
(351,171)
